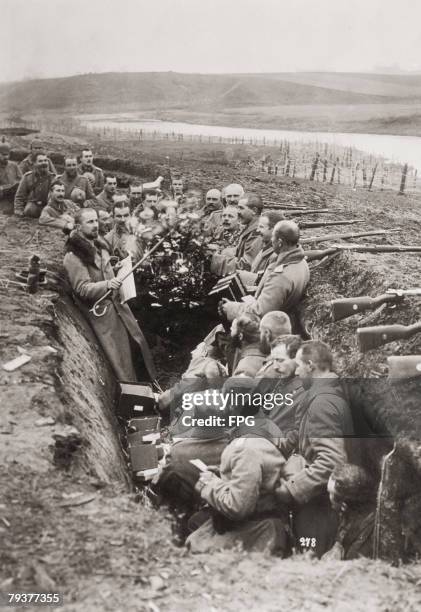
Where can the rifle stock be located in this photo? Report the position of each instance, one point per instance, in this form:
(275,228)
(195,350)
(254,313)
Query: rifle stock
(404,366)
(313,254)
(347,307)
(373,337)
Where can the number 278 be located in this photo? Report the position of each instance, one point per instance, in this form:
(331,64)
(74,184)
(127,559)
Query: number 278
(308,542)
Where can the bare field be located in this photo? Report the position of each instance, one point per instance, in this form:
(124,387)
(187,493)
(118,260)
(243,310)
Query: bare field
(396,119)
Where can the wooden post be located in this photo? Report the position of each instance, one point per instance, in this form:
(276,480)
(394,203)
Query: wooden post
(314,167)
(373,174)
(357,165)
(332,176)
(415,179)
(364,171)
(403,179)
(325,168)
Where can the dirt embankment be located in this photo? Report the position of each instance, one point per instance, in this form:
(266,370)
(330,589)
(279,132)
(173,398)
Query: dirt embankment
(110,552)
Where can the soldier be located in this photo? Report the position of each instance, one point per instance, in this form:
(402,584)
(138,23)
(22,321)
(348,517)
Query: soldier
(232,193)
(149,203)
(278,376)
(87,165)
(33,190)
(177,187)
(320,447)
(27,164)
(105,222)
(250,243)
(228,232)
(243,507)
(87,264)
(105,198)
(135,195)
(265,226)
(73,180)
(212,212)
(59,212)
(10,176)
(245,337)
(122,242)
(285,280)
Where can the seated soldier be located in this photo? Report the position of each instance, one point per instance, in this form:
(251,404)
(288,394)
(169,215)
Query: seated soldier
(245,338)
(149,203)
(104,199)
(29,163)
(105,222)
(265,226)
(121,239)
(243,507)
(352,494)
(284,282)
(72,179)
(319,445)
(277,379)
(249,243)
(34,188)
(135,195)
(59,212)
(223,239)
(10,177)
(232,193)
(212,212)
(87,167)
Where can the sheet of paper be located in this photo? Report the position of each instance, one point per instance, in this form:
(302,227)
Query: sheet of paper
(199,464)
(128,287)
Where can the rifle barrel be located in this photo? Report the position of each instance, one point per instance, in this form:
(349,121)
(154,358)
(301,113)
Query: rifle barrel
(328,237)
(378,248)
(306,211)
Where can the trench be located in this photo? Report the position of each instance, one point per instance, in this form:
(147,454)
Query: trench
(87,389)
(90,383)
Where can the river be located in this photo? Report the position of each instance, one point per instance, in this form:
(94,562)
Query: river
(400,149)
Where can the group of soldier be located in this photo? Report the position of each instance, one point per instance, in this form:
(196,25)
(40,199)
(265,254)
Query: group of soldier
(294,461)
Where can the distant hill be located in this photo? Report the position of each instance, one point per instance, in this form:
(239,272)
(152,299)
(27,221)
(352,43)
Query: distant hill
(170,90)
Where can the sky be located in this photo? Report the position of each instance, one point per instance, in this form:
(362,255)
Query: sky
(51,38)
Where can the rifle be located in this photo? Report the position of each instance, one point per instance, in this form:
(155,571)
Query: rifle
(308,224)
(372,337)
(313,254)
(404,366)
(346,307)
(327,237)
(303,211)
(277,206)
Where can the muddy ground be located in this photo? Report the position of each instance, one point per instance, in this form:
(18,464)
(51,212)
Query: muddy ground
(69,522)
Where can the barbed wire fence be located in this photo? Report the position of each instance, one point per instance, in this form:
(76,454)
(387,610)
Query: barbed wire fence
(312,160)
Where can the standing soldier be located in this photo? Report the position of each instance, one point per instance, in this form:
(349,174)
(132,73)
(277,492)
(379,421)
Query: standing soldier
(33,190)
(10,176)
(87,165)
(87,264)
(27,164)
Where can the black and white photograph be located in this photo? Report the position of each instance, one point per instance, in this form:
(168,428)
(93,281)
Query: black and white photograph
(210,305)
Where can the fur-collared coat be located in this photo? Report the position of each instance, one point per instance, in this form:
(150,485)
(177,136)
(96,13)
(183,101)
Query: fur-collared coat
(88,268)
